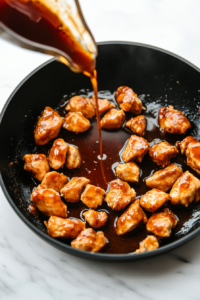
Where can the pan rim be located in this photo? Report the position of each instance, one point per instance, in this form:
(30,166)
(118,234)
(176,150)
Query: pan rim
(67,248)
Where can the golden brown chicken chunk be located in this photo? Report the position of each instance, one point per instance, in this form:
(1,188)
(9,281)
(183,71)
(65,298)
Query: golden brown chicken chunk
(48,126)
(165,178)
(104,105)
(148,244)
(54,180)
(185,190)
(92,196)
(64,228)
(37,165)
(81,104)
(119,195)
(76,122)
(73,159)
(113,119)
(89,240)
(162,223)
(128,100)
(191,147)
(95,219)
(49,202)
(133,217)
(137,125)
(153,200)
(173,121)
(193,156)
(184,144)
(57,154)
(136,149)
(162,153)
(72,190)
(128,172)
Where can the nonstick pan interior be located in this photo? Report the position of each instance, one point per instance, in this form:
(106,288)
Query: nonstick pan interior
(165,79)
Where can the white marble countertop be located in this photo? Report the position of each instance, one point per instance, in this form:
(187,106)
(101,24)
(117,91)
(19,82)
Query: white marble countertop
(30,268)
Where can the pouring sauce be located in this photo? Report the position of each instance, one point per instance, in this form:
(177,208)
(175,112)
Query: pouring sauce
(34,22)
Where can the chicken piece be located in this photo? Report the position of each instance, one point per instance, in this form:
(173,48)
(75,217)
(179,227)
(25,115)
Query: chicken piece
(137,125)
(37,165)
(185,190)
(128,172)
(95,219)
(48,126)
(81,104)
(193,156)
(64,228)
(173,121)
(119,195)
(72,190)
(128,100)
(148,244)
(54,180)
(162,223)
(136,149)
(89,240)
(113,119)
(76,122)
(162,153)
(153,200)
(57,154)
(73,159)
(92,196)
(165,178)
(49,202)
(133,217)
(185,143)
(104,105)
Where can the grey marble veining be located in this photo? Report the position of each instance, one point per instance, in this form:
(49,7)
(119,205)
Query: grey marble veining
(30,268)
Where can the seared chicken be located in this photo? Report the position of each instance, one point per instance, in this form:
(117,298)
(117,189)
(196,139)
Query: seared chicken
(37,165)
(81,104)
(128,172)
(191,147)
(92,196)
(49,202)
(185,190)
(185,143)
(76,122)
(57,154)
(72,190)
(153,200)
(95,219)
(113,119)
(128,100)
(54,180)
(73,159)
(173,121)
(162,153)
(165,178)
(162,223)
(104,105)
(48,126)
(148,244)
(137,125)
(133,217)
(64,228)
(89,240)
(136,149)
(119,195)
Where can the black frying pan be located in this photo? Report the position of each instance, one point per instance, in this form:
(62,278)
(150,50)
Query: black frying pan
(146,68)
